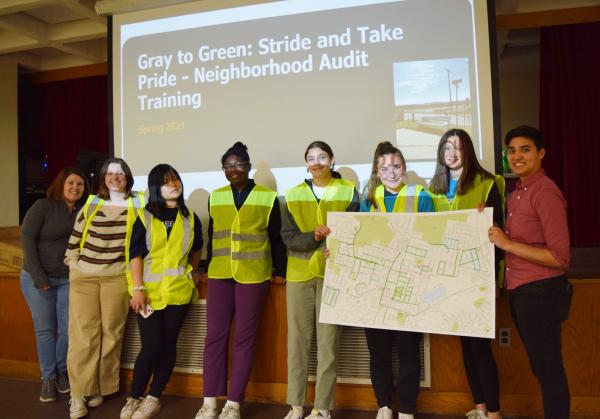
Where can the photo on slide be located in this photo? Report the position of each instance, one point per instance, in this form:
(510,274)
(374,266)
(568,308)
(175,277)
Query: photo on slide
(430,97)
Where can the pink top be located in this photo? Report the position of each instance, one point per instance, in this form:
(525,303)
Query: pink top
(537,216)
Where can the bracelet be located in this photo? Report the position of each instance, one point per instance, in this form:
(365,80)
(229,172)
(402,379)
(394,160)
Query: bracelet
(139,288)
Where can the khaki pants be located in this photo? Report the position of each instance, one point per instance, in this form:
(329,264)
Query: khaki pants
(303,302)
(97,314)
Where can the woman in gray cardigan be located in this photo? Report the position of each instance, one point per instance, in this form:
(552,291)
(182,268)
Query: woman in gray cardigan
(45,278)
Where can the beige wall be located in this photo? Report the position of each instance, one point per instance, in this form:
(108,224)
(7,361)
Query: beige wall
(519,87)
(9,146)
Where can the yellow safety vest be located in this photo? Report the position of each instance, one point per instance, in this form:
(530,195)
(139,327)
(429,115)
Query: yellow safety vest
(477,194)
(406,201)
(308,214)
(167,271)
(135,207)
(240,242)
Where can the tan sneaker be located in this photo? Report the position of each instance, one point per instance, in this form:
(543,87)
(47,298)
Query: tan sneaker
(315,414)
(130,407)
(77,408)
(206,412)
(476,414)
(149,407)
(95,400)
(295,413)
(230,412)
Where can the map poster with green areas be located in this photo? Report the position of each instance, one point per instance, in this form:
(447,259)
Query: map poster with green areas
(427,272)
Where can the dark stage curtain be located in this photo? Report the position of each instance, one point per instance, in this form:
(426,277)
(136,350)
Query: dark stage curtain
(61,118)
(569,116)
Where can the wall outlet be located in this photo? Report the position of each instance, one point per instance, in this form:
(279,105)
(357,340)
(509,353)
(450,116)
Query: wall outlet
(504,338)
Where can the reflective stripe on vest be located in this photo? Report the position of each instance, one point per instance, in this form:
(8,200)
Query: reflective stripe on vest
(166,267)
(308,214)
(240,242)
(477,194)
(407,199)
(135,207)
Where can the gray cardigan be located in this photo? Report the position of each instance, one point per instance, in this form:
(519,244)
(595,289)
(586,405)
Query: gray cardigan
(44,234)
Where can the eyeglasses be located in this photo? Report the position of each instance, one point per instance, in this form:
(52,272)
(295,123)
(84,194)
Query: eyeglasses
(323,159)
(449,148)
(388,170)
(234,166)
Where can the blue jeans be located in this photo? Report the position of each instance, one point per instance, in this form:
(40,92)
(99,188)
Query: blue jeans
(50,314)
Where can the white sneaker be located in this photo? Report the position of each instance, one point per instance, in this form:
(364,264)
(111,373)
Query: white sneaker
(295,413)
(77,408)
(130,406)
(476,414)
(95,400)
(149,407)
(230,412)
(406,416)
(315,414)
(384,413)
(206,412)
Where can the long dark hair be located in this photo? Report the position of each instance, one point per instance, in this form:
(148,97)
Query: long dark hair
(102,189)
(159,176)
(471,167)
(57,187)
(327,149)
(383,148)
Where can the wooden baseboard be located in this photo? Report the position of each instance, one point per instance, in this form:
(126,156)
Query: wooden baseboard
(19,369)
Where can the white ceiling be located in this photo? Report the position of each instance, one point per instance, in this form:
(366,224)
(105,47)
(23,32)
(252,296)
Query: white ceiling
(45,35)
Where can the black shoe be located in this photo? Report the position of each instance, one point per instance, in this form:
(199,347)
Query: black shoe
(48,393)
(62,383)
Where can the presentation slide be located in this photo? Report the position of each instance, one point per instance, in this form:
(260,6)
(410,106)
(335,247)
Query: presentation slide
(189,82)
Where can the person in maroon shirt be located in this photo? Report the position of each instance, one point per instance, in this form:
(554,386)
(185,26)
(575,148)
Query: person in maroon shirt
(536,245)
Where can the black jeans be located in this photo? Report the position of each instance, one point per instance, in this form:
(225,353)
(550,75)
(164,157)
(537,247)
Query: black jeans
(157,357)
(409,374)
(538,310)
(482,371)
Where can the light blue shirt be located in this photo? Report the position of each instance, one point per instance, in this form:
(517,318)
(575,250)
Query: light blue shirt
(425,203)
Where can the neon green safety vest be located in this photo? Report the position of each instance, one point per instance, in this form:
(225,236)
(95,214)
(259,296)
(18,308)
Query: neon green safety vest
(308,214)
(135,207)
(406,201)
(240,243)
(478,194)
(167,271)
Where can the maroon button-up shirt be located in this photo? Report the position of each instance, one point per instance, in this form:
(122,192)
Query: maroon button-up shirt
(537,216)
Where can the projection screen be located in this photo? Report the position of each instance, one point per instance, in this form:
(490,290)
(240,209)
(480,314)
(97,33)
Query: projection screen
(190,80)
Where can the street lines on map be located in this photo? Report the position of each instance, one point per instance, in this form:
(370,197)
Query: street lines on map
(421,273)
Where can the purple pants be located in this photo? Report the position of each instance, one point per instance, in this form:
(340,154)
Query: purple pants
(243,303)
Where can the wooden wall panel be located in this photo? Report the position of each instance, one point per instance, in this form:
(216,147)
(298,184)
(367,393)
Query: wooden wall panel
(548,18)
(271,351)
(17,339)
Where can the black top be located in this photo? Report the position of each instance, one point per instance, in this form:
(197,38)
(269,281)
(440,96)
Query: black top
(137,246)
(45,232)
(494,200)
(278,250)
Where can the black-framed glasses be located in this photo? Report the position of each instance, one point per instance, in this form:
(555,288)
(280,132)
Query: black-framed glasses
(241,165)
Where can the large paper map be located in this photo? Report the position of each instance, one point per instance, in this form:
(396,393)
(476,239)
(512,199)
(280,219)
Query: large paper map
(427,272)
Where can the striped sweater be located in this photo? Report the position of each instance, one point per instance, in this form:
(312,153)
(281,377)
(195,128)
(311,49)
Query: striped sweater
(103,252)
